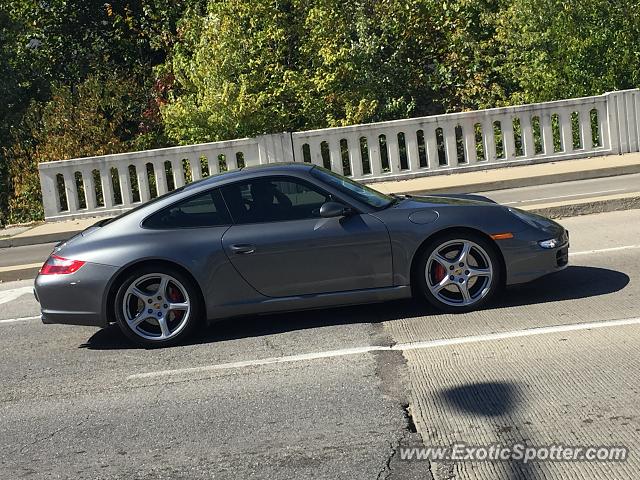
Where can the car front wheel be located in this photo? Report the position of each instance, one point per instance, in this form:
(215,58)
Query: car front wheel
(459,272)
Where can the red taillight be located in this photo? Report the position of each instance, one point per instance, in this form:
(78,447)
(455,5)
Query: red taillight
(56,265)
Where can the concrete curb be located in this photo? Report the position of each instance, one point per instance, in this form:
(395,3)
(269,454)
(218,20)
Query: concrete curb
(532,181)
(19,274)
(586,208)
(37,239)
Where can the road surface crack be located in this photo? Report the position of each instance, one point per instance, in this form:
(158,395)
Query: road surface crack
(393,469)
(49,436)
(386,470)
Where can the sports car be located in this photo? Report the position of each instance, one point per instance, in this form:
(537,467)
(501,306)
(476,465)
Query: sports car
(283,237)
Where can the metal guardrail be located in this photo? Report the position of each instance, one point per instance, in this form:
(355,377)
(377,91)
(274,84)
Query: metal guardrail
(566,129)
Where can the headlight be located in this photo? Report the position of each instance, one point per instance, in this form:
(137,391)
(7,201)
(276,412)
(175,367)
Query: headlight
(551,243)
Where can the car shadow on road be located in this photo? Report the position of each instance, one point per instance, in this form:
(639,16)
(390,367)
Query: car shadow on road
(575,282)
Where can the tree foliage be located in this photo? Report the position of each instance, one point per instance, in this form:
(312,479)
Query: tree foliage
(236,71)
(85,77)
(80,82)
(244,68)
(569,48)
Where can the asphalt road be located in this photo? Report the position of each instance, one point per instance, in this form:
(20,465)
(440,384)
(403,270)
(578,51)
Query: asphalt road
(558,192)
(323,394)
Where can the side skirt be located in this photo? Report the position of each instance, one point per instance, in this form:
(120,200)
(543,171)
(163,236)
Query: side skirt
(311,302)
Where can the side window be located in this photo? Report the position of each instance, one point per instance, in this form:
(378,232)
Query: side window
(273,199)
(203,210)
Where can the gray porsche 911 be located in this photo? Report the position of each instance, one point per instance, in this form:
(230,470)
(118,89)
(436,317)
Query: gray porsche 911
(282,237)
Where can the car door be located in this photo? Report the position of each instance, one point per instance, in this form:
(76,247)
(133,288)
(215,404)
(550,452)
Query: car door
(282,247)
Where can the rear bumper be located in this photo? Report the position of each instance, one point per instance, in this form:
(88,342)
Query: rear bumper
(50,317)
(75,299)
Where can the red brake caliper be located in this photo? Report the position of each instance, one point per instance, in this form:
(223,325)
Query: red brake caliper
(174,296)
(439,272)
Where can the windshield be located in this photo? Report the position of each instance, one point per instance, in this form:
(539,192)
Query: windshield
(356,190)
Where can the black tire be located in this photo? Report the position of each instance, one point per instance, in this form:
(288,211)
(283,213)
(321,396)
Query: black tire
(194,315)
(494,284)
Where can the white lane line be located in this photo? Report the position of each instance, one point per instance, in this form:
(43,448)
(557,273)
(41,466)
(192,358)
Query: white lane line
(21,319)
(604,250)
(529,332)
(7,296)
(263,361)
(555,197)
(445,342)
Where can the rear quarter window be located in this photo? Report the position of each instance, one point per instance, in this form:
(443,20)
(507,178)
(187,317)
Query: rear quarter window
(203,210)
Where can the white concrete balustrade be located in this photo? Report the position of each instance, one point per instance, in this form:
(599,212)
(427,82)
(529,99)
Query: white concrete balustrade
(566,129)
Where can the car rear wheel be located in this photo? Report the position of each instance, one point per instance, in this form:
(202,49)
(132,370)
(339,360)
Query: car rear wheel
(155,306)
(459,272)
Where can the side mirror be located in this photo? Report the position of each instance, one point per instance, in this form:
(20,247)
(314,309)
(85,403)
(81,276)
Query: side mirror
(333,209)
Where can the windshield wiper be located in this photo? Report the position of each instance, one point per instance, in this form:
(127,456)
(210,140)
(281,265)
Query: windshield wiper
(401,196)
(395,199)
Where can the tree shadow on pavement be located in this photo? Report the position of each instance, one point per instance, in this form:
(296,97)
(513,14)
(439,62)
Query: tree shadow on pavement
(488,399)
(572,283)
(489,406)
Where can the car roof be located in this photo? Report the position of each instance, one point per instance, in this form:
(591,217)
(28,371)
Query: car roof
(224,177)
(208,182)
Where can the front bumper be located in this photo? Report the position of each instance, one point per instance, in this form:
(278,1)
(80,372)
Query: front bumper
(75,299)
(526,260)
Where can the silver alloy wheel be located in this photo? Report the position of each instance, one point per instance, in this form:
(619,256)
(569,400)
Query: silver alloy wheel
(459,273)
(156,306)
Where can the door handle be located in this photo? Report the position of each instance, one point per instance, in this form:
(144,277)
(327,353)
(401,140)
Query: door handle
(243,248)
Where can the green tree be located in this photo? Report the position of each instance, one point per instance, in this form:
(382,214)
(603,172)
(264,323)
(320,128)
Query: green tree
(470,57)
(236,72)
(62,55)
(247,68)
(89,77)
(369,60)
(569,48)
(15,94)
